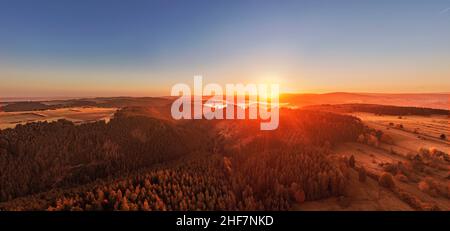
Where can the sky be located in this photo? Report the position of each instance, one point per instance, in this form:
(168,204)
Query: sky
(66,48)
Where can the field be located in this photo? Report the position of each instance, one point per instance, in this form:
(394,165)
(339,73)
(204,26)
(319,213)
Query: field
(74,114)
(412,151)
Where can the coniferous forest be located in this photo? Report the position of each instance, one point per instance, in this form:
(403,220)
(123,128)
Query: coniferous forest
(138,161)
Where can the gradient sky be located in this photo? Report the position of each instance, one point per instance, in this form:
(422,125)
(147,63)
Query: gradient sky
(110,47)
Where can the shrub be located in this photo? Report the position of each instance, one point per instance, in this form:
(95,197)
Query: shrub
(361,138)
(411,200)
(443,137)
(385,138)
(425,152)
(423,186)
(372,141)
(415,202)
(391,168)
(351,161)
(362,175)
(431,187)
(401,177)
(417,165)
(403,167)
(386,180)
(438,154)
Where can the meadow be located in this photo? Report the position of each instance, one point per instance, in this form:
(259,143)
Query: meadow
(411,150)
(75,114)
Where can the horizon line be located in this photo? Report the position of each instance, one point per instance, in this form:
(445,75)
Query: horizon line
(52,98)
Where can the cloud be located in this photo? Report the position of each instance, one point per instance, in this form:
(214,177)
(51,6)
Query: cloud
(445,11)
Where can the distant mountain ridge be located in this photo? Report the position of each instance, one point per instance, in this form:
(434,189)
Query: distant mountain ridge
(425,100)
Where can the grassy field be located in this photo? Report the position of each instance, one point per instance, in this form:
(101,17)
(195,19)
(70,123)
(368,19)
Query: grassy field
(428,180)
(75,114)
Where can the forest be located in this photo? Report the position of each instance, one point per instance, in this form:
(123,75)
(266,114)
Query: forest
(379,109)
(138,162)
